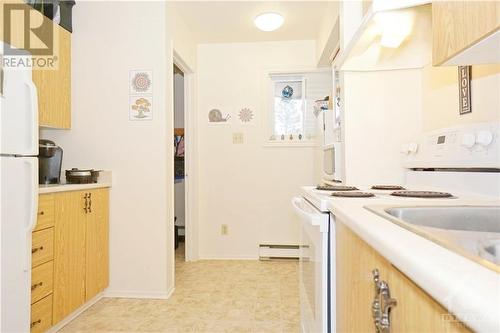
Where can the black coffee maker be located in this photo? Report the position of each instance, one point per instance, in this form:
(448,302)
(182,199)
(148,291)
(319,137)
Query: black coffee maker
(49,162)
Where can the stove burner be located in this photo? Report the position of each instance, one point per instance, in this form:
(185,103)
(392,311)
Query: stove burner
(335,188)
(353,194)
(388,187)
(421,194)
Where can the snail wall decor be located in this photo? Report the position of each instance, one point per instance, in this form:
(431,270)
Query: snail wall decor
(215,116)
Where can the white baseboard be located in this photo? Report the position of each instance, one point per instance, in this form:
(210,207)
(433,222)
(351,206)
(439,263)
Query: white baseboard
(75,314)
(227,258)
(139,294)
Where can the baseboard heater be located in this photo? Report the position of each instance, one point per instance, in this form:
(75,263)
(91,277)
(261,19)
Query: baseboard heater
(278,252)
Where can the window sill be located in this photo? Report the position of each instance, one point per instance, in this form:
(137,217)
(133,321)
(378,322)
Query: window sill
(288,144)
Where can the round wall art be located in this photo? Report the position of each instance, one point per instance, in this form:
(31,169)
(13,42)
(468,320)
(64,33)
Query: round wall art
(141,81)
(245,115)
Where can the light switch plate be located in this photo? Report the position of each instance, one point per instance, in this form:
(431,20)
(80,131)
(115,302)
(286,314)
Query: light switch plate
(237,138)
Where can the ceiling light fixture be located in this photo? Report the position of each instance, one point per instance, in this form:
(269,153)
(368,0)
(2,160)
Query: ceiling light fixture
(269,21)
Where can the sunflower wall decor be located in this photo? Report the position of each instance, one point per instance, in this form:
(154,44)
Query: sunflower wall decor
(245,115)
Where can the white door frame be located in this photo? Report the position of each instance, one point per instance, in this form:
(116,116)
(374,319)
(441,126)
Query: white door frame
(190,160)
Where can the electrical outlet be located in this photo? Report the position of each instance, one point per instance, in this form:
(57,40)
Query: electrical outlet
(237,138)
(223,229)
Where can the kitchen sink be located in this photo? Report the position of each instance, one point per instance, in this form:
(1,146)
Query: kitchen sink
(466,218)
(471,231)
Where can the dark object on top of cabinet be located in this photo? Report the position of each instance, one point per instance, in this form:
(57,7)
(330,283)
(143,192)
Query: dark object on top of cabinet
(49,162)
(66,8)
(77,176)
(50,9)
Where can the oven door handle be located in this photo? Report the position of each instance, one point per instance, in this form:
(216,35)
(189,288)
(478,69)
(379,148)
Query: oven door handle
(315,219)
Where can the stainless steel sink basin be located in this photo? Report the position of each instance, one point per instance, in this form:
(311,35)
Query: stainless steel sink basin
(471,231)
(466,218)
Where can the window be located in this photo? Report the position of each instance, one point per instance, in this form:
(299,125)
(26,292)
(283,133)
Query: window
(288,107)
(290,119)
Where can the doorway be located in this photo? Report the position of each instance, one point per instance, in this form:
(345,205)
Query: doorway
(179,166)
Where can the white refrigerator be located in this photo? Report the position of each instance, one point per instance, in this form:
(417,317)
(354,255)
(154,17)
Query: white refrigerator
(19,193)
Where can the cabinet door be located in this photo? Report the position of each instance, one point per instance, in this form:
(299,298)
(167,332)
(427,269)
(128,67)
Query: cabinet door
(457,25)
(69,253)
(54,86)
(413,304)
(97,257)
(355,286)
(415,311)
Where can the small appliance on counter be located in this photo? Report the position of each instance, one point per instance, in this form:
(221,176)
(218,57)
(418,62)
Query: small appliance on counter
(49,162)
(79,176)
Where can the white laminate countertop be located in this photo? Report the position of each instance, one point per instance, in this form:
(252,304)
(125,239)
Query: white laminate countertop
(465,288)
(104,180)
(42,189)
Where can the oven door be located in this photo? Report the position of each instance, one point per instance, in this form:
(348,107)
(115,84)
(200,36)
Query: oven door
(313,266)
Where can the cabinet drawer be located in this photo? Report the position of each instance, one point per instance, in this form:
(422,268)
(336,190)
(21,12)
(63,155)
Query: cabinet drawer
(45,218)
(41,315)
(42,247)
(42,281)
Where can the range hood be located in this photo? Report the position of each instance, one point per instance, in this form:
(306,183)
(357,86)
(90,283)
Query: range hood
(392,35)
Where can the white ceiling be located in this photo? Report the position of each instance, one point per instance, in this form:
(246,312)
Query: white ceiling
(232,21)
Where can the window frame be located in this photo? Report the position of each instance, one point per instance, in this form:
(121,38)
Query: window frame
(273,78)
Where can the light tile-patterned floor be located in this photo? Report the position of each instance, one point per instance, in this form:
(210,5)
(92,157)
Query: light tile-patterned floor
(210,296)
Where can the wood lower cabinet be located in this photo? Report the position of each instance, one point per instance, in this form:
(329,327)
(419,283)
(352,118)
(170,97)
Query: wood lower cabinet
(415,311)
(97,256)
(70,254)
(41,315)
(81,252)
(42,262)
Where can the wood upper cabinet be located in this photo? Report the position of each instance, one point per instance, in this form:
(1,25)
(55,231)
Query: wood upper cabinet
(54,86)
(81,248)
(415,310)
(97,256)
(69,253)
(457,25)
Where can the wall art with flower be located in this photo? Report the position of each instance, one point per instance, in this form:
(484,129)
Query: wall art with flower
(141,108)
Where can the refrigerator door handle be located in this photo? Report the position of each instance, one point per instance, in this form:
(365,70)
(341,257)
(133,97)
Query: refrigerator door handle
(34,114)
(33,208)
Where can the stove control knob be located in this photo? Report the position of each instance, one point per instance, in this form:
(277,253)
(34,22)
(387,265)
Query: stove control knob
(468,140)
(413,148)
(484,138)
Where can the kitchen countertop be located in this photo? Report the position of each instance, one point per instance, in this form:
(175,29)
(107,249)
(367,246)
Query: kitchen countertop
(465,288)
(103,181)
(42,189)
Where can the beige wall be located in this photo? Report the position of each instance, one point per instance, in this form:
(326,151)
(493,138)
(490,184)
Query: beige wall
(328,35)
(382,112)
(440,96)
(183,40)
(246,186)
(109,40)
